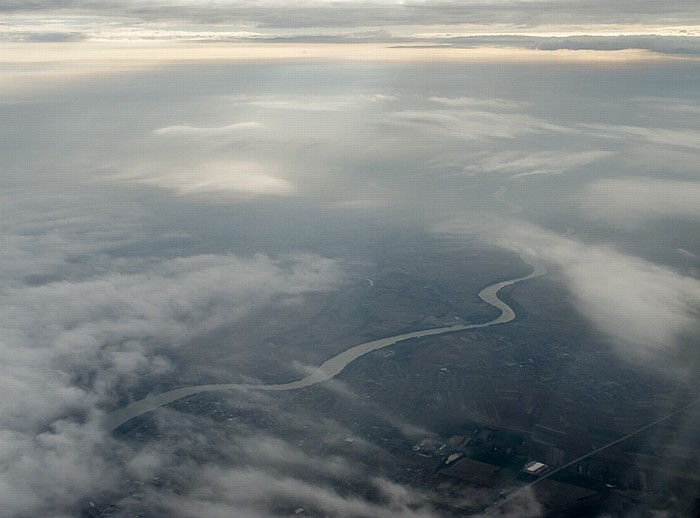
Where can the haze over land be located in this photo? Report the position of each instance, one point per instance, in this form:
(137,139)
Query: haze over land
(198,193)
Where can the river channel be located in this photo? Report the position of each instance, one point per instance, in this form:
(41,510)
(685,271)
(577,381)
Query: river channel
(330,368)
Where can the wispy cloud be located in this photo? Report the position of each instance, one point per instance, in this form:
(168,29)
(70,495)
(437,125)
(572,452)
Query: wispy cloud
(473,102)
(521,164)
(469,124)
(686,254)
(313,103)
(632,201)
(683,138)
(186,130)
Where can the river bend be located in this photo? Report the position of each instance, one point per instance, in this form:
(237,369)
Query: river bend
(330,368)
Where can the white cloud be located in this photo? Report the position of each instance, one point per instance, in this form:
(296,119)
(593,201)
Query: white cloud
(643,308)
(469,124)
(662,104)
(433,14)
(684,138)
(631,201)
(89,331)
(208,169)
(221,178)
(472,102)
(313,103)
(43,474)
(232,130)
(360,204)
(251,492)
(686,254)
(104,325)
(45,233)
(521,164)
(230,469)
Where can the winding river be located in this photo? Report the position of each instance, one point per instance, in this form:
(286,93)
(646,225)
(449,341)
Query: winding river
(330,368)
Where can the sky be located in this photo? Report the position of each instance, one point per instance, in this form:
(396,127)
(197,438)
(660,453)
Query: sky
(171,169)
(670,27)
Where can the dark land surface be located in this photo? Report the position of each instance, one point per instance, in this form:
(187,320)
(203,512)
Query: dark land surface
(459,418)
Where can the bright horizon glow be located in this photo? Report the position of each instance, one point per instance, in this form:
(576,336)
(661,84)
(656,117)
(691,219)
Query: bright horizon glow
(172,52)
(32,65)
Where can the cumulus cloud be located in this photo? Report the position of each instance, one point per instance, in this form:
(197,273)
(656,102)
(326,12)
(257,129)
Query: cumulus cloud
(93,300)
(45,233)
(87,335)
(103,325)
(264,475)
(631,201)
(251,492)
(45,474)
(223,467)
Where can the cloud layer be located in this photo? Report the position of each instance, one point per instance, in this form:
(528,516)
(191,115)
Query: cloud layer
(144,211)
(321,13)
(544,25)
(77,339)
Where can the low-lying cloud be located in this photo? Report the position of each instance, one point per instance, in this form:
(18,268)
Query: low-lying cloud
(643,308)
(80,339)
(95,296)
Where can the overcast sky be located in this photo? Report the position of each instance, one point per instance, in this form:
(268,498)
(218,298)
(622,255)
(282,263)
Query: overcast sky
(671,26)
(169,168)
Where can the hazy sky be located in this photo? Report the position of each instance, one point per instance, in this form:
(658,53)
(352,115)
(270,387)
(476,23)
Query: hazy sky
(671,26)
(169,168)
